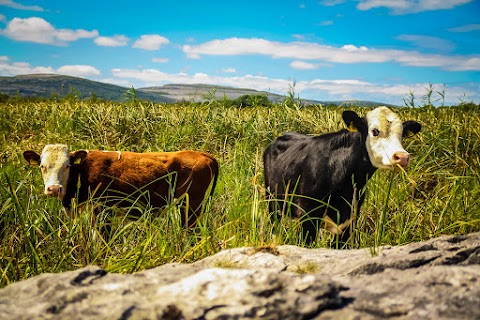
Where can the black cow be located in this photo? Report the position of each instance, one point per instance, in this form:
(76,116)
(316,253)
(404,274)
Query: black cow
(319,177)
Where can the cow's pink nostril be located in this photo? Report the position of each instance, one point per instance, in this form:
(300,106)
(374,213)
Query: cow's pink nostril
(54,191)
(402,158)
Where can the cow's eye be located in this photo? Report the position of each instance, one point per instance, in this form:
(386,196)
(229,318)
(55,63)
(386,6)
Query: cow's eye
(375,132)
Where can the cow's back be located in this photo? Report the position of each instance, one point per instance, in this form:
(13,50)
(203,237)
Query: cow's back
(323,162)
(315,167)
(278,152)
(154,176)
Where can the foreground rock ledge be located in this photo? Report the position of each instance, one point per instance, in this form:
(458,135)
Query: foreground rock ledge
(435,279)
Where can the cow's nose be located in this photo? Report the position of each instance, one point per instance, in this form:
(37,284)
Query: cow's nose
(54,190)
(402,158)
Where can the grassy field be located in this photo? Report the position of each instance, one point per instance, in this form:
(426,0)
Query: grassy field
(438,194)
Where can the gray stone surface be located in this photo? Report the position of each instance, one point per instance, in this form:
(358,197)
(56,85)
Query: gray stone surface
(435,279)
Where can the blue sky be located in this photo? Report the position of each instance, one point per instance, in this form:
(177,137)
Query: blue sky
(378,50)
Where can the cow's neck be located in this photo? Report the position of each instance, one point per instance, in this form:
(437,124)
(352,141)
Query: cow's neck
(364,169)
(73,186)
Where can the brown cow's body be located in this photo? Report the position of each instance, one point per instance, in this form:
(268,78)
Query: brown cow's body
(125,177)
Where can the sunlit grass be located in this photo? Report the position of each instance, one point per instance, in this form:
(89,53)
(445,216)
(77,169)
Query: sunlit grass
(438,194)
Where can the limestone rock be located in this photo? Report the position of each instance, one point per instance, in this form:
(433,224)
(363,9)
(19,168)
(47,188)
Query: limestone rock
(434,279)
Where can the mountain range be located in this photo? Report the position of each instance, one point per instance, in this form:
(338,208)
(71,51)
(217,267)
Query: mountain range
(50,85)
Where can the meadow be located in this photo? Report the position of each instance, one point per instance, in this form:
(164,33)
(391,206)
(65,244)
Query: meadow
(438,194)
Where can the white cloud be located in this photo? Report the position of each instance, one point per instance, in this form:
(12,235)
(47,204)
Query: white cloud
(420,41)
(298,37)
(302,65)
(73,35)
(410,6)
(115,41)
(30,29)
(391,4)
(150,42)
(8,68)
(466,28)
(330,3)
(453,63)
(160,60)
(40,31)
(229,70)
(296,50)
(352,48)
(15,5)
(78,70)
(325,23)
(312,51)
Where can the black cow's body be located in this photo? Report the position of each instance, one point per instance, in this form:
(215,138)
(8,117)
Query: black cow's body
(326,169)
(319,177)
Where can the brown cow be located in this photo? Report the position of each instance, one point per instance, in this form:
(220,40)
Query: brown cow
(120,177)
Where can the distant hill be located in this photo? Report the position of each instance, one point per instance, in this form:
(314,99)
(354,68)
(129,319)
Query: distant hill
(48,85)
(201,92)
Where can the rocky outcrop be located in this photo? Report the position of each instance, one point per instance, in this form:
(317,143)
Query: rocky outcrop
(435,279)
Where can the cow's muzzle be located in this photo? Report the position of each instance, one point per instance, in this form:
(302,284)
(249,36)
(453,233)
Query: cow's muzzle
(401,158)
(54,191)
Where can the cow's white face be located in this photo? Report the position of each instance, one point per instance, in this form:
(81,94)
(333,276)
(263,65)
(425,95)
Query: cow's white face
(54,163)
(384,139)
(384,131)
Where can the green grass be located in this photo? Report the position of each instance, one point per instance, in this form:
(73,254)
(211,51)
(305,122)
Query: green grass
(438,194)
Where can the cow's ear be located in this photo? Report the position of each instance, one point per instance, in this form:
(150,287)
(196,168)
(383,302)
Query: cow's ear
(32,157)
(352,120)
(78,156)
(410,128)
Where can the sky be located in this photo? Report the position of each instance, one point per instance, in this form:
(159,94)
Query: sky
(376,50)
